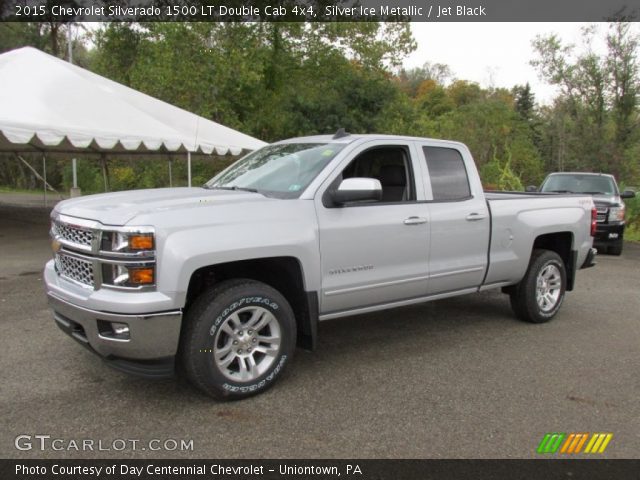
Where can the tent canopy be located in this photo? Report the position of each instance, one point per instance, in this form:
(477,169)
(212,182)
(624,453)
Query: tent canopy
(51,105)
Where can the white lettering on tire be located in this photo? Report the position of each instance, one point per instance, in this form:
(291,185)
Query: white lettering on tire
(260,384)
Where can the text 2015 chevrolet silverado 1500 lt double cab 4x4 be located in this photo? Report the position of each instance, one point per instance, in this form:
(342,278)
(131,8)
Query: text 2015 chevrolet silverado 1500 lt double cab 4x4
(225,280)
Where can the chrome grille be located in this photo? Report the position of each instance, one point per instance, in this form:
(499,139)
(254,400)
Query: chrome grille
(601,216)
(72,234)
(75,269)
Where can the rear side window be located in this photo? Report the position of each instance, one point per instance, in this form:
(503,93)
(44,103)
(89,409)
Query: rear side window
(447,173)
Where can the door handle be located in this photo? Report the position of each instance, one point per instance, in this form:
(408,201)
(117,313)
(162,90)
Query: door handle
(472,217)
(415,221)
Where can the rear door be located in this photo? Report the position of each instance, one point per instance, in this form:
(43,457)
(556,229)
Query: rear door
(375,253)
(459,218)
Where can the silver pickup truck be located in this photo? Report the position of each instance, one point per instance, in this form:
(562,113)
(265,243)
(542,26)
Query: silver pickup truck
(222,282)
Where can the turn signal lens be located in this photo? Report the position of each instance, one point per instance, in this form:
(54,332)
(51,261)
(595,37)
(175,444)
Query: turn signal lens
(141,276)
(141,242)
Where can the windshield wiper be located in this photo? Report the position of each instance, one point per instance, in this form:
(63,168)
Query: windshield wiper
(234,188)
(559,191)
(595,193)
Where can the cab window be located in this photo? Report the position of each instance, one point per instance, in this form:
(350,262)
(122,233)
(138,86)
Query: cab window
(391,165)
(447,174)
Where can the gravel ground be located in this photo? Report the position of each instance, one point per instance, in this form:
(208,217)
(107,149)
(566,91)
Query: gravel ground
(456,378)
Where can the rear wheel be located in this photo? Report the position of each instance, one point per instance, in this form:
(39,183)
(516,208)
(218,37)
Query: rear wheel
(539,295)
(237,339)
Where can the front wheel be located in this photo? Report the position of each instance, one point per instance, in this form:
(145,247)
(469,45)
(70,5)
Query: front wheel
(539,295)
(237,339)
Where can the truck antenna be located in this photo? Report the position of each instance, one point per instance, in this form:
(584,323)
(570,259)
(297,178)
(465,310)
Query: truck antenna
(340,133)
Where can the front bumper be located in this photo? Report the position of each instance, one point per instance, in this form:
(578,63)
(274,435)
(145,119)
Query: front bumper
(606,233)
(150,349)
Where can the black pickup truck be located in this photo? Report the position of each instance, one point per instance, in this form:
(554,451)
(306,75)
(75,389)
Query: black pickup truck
(608,201)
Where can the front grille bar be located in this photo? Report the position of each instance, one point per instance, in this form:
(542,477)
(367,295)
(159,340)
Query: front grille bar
(80,246)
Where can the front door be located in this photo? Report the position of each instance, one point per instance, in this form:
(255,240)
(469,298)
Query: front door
(375,253)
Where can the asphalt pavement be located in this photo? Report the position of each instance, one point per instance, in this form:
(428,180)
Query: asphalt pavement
(456,378)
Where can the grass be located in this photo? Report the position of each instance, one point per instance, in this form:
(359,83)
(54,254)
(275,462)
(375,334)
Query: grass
(5,189)
(632,234)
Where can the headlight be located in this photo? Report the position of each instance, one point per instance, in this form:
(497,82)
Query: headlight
(139,241)
(127,242)
(616,214)
(128,257)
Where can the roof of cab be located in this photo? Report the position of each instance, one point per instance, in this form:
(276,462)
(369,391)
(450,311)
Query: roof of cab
(352,137)
(582,173)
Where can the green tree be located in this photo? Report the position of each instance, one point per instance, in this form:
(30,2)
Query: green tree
(268,79)
(116,52)
(411,80)
(494,131)
(525,101)
(463,92)
(599,98)
(497,174)
(623,69)
(15,35)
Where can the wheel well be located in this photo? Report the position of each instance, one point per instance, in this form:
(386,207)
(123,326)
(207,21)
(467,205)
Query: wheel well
(282,273)
(560,243)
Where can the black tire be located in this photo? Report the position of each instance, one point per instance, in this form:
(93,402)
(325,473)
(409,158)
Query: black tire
(615,248)
(523,298)
(206,323)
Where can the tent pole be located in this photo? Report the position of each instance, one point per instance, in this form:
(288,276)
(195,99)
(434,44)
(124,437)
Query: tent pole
(74,167)
(75,191)
(105,171)
(44,177)
(189,168)
(69,45)
(35,172)
(170,172)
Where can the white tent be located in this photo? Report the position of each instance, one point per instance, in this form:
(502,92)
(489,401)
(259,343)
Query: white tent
(47,104)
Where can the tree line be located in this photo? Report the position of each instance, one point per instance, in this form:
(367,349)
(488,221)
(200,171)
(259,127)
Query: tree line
(278,80)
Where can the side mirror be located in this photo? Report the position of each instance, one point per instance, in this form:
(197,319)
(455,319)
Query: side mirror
(357,189)
(531,188)
(628,194)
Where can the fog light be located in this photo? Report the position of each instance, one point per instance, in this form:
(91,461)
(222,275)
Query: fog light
(120,329)
(114,330)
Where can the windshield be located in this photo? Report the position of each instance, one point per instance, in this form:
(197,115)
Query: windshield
(281,171)
(593,184)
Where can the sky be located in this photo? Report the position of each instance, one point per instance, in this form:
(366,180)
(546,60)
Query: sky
(492,54)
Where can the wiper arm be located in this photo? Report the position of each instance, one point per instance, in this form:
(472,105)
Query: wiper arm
(234,188)
(559,191)
(596,193)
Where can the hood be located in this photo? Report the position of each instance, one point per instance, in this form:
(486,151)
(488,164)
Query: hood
(607,200)
(120,208)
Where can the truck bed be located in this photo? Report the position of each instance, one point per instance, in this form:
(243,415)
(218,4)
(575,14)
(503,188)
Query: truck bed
(519,217)
(506,195)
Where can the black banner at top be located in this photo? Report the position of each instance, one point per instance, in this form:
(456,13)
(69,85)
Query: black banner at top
(319,10)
